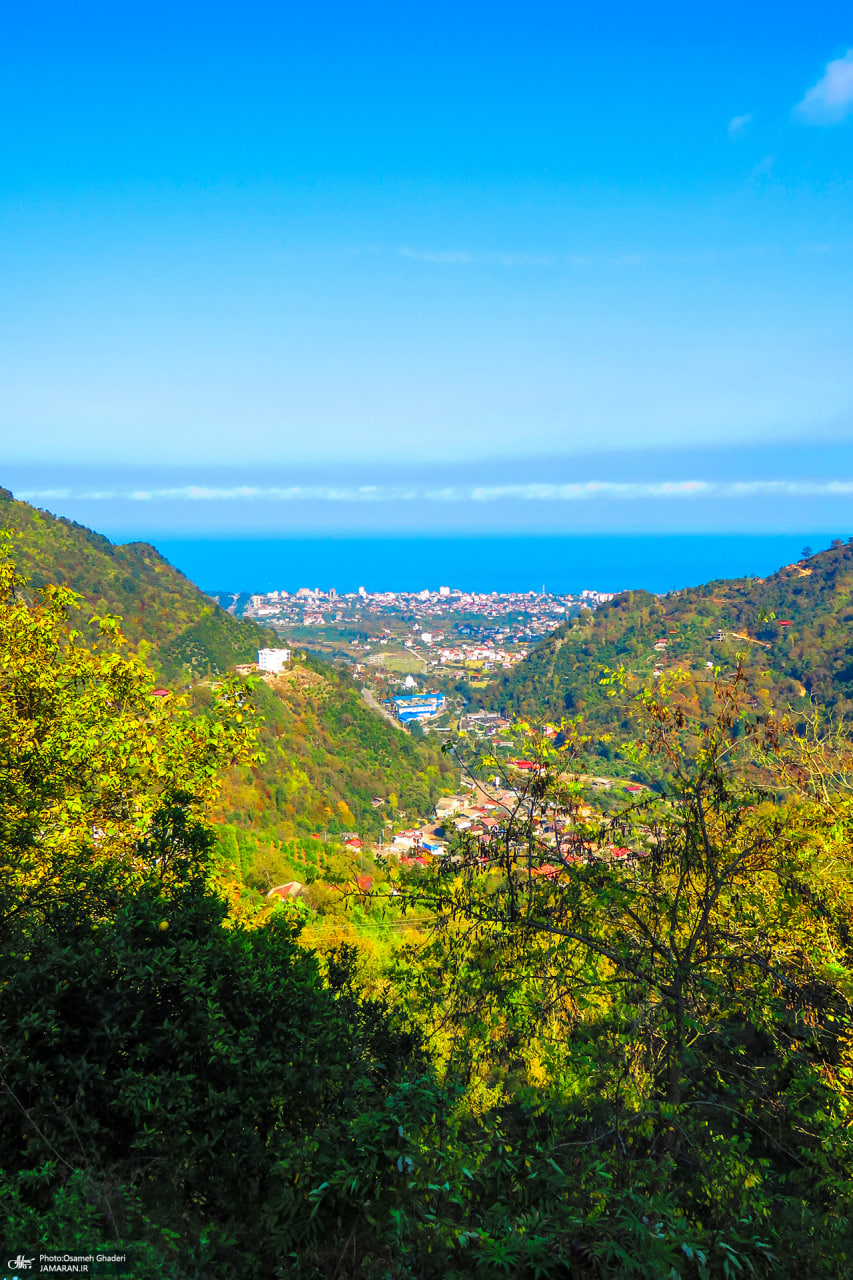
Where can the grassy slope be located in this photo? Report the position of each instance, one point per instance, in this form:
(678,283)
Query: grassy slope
(561,676)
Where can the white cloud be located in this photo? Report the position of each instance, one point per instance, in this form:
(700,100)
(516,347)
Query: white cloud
(46,495)
(578,491)
(445,257)
(590,489)
(738,124)
(457,257)
(831,99)
(588,261)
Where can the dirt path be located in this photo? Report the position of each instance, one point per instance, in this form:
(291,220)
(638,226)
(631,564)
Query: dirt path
(752,640)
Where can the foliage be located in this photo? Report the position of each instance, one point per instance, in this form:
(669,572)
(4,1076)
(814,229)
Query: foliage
(621,1047)
(789,632)
(688,964)
(327,756)
(92,763)
(207,1071)
(73,1223)
(167,621)
(324,746)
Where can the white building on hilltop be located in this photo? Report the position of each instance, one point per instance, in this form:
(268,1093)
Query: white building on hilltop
(273,660)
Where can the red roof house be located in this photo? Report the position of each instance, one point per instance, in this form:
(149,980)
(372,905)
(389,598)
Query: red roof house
(290,890)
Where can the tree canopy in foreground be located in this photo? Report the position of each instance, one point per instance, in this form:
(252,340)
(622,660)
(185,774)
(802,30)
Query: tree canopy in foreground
(623,1051)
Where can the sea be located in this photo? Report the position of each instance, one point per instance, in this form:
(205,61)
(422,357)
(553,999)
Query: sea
(559,565)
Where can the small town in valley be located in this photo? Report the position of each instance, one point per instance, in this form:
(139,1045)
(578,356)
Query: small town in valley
(419,658)
(482,810)
(480,813)
(419,654)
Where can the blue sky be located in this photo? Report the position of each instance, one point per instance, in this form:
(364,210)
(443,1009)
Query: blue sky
(308,252)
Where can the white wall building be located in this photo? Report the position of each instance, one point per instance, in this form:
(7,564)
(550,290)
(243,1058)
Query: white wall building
(273,659)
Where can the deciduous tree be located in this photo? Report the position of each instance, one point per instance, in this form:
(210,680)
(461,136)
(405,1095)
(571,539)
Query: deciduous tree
(95,762)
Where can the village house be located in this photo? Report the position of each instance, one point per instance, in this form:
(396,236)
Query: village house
(293,889)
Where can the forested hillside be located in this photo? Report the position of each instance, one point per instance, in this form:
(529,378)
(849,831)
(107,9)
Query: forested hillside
(165,618)
(328,757)
(327,754)
(792,628)
(587,1060)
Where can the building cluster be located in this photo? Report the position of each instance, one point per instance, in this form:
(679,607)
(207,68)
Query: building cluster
(482,815)
(409,707)
(445,628)
(312,607)
(483,724)
(480,655)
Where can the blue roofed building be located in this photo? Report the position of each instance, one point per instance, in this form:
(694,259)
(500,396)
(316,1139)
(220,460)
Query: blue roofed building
(418,707)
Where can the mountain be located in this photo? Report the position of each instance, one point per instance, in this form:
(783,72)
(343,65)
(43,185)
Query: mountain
(166,619)
(328,754)
(793,629)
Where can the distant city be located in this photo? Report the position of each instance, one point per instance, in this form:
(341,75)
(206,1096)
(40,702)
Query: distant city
(421,654)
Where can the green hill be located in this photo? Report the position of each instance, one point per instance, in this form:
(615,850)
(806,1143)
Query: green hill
(166,619)
(792,628)
(329,757)
(328,754)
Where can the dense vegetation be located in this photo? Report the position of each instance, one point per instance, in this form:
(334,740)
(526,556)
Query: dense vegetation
(166,620)
(611,1048)
(791,632)
(675,984)
(329,767)
(327,757)
(326,754)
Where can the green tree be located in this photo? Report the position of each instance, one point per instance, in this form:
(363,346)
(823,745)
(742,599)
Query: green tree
(190,1085)
(682,968)
(93,763)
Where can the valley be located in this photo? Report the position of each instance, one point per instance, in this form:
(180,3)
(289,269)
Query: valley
(325,979)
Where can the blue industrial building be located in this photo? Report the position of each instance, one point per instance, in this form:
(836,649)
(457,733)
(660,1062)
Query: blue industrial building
(417,706)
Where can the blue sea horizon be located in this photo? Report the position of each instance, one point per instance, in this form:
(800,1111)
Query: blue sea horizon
(559,564)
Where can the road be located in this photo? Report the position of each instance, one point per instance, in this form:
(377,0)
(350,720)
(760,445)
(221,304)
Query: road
(375,706)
